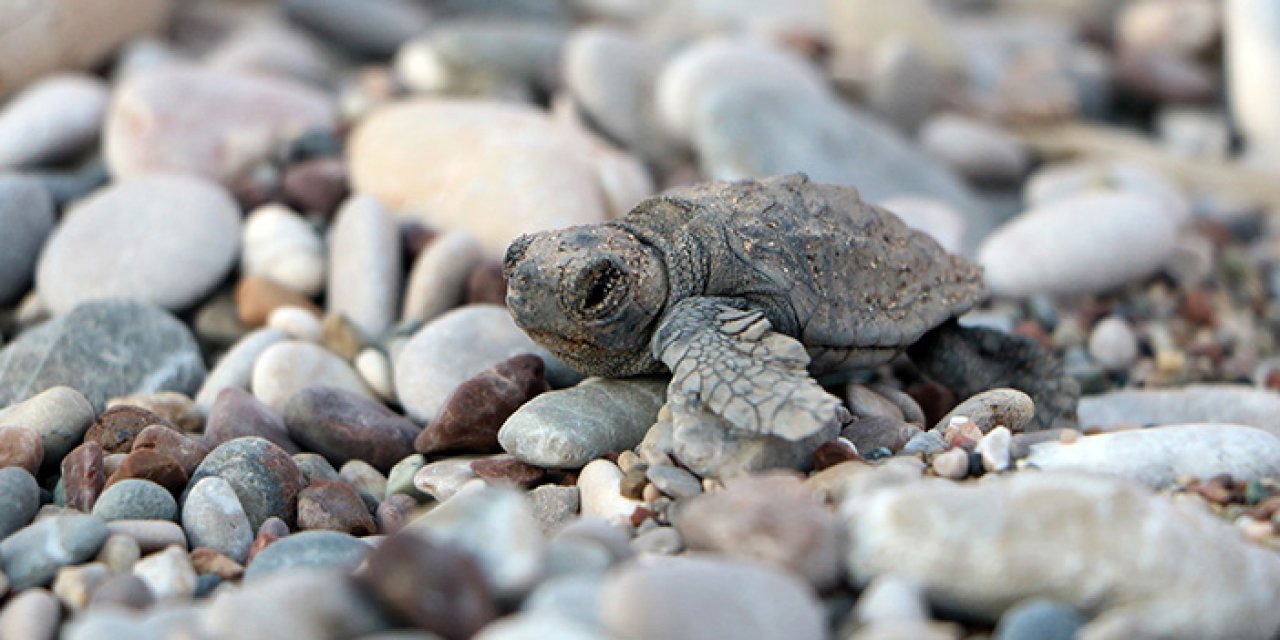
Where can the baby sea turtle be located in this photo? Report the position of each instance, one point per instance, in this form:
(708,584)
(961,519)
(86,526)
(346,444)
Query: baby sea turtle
(744,290)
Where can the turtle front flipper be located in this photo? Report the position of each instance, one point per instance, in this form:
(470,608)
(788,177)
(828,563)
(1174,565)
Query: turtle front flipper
(727,358)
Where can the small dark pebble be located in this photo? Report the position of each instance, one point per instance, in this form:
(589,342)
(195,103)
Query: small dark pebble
(430,585)
(486,285)
(830,454)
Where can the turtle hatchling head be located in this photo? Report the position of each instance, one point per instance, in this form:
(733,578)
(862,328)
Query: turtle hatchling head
(591,294)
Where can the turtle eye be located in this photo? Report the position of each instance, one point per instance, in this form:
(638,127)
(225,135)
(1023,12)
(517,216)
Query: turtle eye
(599,289)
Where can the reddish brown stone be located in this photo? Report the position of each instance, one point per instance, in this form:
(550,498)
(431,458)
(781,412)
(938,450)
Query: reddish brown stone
(640,515)
(236,413)
(272,529)
(508,469)
(206,560)
(317,185)
(486,284)
(1197,308)
(333,505)
(830,454)
(934,399)
(148,464)
(394,512)
(431,585)
(475,411)
(343,425)
(119,426)
(83,476)
(257,296)
(187,451)
(180,410)
(21,447)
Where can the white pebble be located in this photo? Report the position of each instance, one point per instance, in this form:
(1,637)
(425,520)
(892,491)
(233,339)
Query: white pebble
(374,368)
(297,323)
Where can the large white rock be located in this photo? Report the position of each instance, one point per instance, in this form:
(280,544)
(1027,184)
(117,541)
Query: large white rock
(1214,403)
(51,120)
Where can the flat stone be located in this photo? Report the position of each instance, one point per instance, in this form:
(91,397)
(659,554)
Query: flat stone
(364,265)
(400,477)
(708,597)
(237,414)
(342,426)
(26,214)
(51,120)
(33,555)
(61,415)
(102,349)
(674,481)
(226,122)
(476,410)
(180,235)
(1017,528)
(314,467)
(213,517)
(1196,403)
(22,500)
(288,367)
(134,499)
(568,428)
(443,479)
(432,585)
(150,535)
(262,475)
(281,245)
(438,280)
(456,347)
(307,549)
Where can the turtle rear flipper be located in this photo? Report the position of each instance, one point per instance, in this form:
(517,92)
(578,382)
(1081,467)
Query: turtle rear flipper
(970,360)
(729,359)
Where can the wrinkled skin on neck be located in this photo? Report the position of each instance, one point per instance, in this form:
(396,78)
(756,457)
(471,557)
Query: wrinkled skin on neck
(591,294)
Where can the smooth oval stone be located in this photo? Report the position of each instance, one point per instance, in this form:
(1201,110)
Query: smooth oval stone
(492,169)
(20,447)
(33,555)
(1039,620)
(455,347)
(149,535)
(435,586)
(475,411)
(976,149)
(296,322)
(993,408)
(236,414)
(168,240)
(443,479)
(1113,344)
(256,297)
(235,368)
(308,549)
(1157,456)
(1084,244)
(281,245)
(302,603)
(288,367)
(342,426)
(176,408)
(263,476)
(103,349)
(212,517)
(148,464)
(374,30)
(21,500)
(1064,181)
(611,75)
(569,428)
(334,506)
(224,124)
(60,415)
(34,613)
(438,279)
(51,120)
(364,265)
(134,499)
(27,216)
(1197,403)
(600,493)
(708,597)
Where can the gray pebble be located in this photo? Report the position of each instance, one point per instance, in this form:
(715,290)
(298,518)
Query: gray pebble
(135,499)
(26,215)
(212,517)
(674,481)
(263,476)
(314,549)
(21,499)
(1039,620)
(33,555)
(60,415)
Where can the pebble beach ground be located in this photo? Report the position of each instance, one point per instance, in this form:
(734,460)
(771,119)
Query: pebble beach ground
(257,379)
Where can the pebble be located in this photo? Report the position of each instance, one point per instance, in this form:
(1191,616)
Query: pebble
(927,442)
(271,530)
(206,560)
(257,297)
(532,626)
(434,586)
(51,120)
(364,265)
(307,549)
(151,535)
(1081,244)
(374,368)
(611,75)
(300,603)
(33,555)
(1158,456)
(185,450)
(537,173)
(708,597)
(74,585)
(438,280)
(674,481)
(374,30)
(1038,619)
(1113,344)
(181,235)
(341,336)
(262,475)
(400,477)
(213,517)
(1196,403)
(553,506)
(298,323)
(280,245)
(270,48)
(177,408)
(21,500)
(868,434)
(334,506)
(995,448)
(146,464)
(134,499)
(482,57)
(1250,51)
(314,467)
(27,215)
(497,527)
(235,368)
(901,86)
(1065,181)
(600,493)
(992,408)
(977,150)
(61,415)
(365,479)
(123,590)
(83,476)
(20,447)
(445,478)
(236,414)
(865,403)
(1008,522)
(953,464)
(118,427)
(102,349)
(663,541)
(241,116)
(317,185)
(890,598)
(168,574)
(33,614)
(858,27)
(569,428)
(342,425)
(287,367)
(474,412)
(393,512)
(770,519)
(486,285)
(119,552)
(456,347)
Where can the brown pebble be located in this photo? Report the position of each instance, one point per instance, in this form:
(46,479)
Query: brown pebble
(255,187)
(21,447)
(269,531)
(148,464)
(187,451)
(335,506)
(414,238)
(206,560)
(1265,509)
(318,185)
(509,469)
(341,336)
(83,476)
(632,483)
(486,285)
(237,413)
(180,410)
(394,512)
(119,426)
(934,399)
(1197,308)
(344,425)
(640,515)
(257,296)
(474,412)
(830,454)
